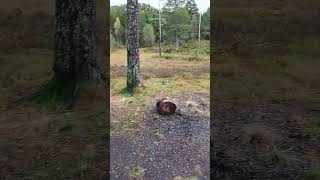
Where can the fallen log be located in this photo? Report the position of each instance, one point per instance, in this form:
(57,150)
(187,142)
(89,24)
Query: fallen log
(166,106)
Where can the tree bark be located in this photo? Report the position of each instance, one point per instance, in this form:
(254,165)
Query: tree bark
(133,75)
(76,43)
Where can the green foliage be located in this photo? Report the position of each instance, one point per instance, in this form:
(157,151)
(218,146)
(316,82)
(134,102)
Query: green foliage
(119,12)
(180,20)
(194,56)
(127,91)
(192,8)
(147,15)
(148,35)
(167,56)
(177,25)
(173,5)
(205,25)
(113,42)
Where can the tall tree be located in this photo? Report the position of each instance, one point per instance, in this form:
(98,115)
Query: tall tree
(205,27)
(75,46)
(117,30)
(174,12)
(193,12)
(194,26)
(121,13)
(173,5)
(192,8)
(148,35)
(133,58)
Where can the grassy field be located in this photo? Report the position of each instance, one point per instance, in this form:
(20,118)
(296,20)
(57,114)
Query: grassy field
(175,77)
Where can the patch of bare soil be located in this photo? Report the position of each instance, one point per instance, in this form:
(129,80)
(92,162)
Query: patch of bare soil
(20,129)
(169,146)
(264,141)
(38,145)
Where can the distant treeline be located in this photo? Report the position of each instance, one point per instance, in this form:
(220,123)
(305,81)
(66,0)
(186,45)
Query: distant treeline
(179,19)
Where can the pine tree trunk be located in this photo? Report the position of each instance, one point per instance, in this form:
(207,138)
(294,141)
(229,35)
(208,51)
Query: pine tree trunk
(133,59)
(75,42)
(177,40)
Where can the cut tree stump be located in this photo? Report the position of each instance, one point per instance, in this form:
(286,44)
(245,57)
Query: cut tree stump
(166,106)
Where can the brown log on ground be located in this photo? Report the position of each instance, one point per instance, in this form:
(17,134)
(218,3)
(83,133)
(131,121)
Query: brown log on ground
(166,107)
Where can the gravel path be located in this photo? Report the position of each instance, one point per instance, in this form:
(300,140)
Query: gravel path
(170,146)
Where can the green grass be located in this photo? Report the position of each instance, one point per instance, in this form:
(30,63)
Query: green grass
(167,56)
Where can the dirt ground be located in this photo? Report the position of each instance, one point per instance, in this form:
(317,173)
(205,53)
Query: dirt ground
(38,141)
(265,141)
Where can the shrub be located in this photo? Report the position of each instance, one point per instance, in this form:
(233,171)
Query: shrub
(167,56)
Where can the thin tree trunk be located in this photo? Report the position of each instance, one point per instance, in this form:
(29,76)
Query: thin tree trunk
(177,40)
(75,41)
(199,44)
(160,28)
(133,59)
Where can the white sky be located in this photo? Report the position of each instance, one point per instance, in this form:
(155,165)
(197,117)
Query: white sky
(203,5)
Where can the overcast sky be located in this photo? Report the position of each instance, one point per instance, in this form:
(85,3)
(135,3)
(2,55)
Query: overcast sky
(203,5)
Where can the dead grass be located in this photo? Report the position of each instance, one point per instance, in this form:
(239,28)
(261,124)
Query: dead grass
(161,78)
(252,79)
(259,135)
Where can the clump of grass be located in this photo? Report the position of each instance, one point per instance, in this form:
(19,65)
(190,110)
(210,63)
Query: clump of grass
(168,56)
(54,95)
(159,136)
(279,157)
(6,81)
(313,173)
(169,50)
(184,178)
(313,129)
(125,92)
(194,56)
(137,172)
(67,125)
(198,170)
(128,91)
(258,135)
